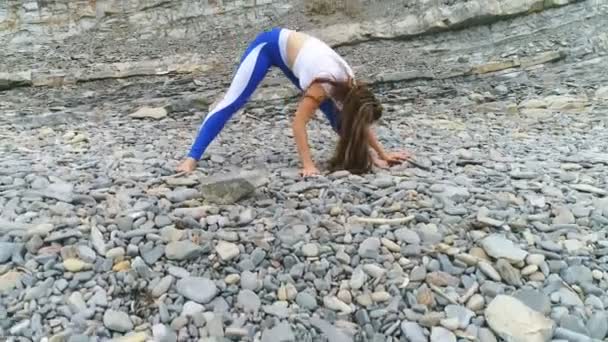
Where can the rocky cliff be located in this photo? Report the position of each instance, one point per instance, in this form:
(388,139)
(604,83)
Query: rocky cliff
(33,21)
(61,41)
(23,21)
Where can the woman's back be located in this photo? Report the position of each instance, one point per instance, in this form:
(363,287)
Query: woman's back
(310,58)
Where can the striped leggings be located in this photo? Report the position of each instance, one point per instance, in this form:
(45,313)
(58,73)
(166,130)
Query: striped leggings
(268,49)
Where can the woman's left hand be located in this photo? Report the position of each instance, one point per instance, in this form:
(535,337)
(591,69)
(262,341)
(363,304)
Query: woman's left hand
(392,158)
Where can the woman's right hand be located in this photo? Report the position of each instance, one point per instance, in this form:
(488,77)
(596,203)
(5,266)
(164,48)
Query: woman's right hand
(187,166)
(305,112)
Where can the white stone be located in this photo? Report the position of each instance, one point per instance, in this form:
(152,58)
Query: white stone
(227,250)
(163,333)
(191,308)
(310,250)
(514,321)
(117,321)
(573,246)
(597,274)
(440,334)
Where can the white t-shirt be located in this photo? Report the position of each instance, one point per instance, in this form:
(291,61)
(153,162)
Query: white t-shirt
(317,60)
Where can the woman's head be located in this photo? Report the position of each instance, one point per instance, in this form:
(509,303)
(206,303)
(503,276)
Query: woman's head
(360,109)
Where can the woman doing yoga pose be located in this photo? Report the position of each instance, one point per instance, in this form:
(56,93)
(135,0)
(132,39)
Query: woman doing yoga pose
(328,84)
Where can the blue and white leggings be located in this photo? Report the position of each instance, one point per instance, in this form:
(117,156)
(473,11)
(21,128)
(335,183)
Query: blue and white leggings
(261,54)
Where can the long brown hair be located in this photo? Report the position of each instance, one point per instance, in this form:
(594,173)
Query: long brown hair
(360,109)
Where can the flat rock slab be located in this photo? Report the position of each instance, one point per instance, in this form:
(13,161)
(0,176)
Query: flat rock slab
(231,187)
(499,246)
(149,113)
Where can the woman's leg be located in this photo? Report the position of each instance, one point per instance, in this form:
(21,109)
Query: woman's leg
(251,71)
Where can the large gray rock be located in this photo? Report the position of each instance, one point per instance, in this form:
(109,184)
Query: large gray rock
(163,333)
(535,299)
(597,325)
(249,301)
(279,333)
(231,187)
(117,321)
(514,321)
(413,332)
(198,289)
(182,250)
(441,334)
(498,246)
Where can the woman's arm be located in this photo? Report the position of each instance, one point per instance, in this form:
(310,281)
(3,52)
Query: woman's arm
(375,144)
(305,111)
(384,159)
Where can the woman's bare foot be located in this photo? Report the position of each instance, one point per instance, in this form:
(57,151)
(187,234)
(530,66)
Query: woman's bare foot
(187,166)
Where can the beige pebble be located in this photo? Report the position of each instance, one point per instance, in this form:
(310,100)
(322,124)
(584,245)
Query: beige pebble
(537,276)
(287,292)
(390,245)
(381,296)
(116,253)
(479,253)
(476,302)
(452,251)
(134,337)
(232,279)
(467,259)
(526,271)
(75,265)
(425,296)
(122,266)
(442,247)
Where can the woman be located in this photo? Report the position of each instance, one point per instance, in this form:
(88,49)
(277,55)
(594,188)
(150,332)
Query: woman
(328,84)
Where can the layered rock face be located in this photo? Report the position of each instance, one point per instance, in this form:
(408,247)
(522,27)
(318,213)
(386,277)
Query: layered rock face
(32,20)
(42,35)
